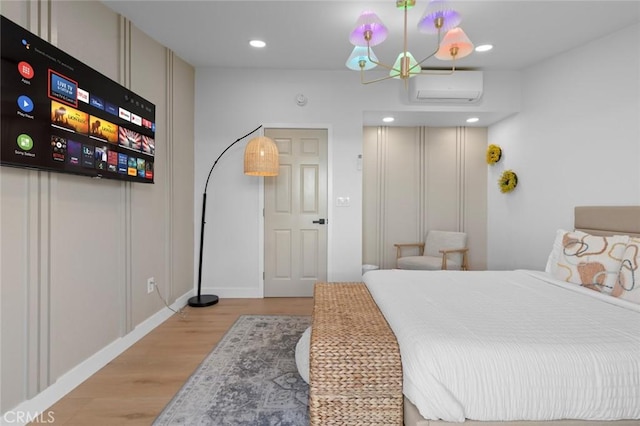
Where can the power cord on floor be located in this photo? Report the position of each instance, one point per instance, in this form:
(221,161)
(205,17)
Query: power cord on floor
(181,312)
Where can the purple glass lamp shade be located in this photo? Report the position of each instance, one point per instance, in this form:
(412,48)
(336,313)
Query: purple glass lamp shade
(438,9)
(358,54)
(368,24)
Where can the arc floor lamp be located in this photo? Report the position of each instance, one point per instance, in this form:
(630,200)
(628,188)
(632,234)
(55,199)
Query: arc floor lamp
(260,159)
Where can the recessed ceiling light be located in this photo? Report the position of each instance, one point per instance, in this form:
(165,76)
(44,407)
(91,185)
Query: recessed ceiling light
(388,119)
(257,43)
(484,48)
(473,120)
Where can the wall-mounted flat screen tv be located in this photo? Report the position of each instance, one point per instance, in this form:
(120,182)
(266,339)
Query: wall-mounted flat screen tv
(60,115)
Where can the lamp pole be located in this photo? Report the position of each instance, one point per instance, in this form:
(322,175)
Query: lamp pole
(202,300)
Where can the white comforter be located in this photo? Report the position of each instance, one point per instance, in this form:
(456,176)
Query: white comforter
(511,345)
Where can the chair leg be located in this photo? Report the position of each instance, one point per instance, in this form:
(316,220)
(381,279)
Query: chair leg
(444,261)
(464,266)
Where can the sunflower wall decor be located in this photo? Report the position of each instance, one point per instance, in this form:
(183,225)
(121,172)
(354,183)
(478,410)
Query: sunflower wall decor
(508,181)
(494,154)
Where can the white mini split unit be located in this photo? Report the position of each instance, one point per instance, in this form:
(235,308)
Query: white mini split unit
(459,87)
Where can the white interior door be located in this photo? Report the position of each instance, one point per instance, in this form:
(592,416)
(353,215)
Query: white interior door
(296,220)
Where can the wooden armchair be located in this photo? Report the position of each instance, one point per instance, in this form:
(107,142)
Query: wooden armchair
(440,250)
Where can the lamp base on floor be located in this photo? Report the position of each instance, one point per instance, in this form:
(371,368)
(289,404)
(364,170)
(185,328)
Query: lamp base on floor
(203,300)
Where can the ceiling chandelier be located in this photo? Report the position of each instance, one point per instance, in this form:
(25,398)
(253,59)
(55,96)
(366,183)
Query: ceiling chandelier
(438,18)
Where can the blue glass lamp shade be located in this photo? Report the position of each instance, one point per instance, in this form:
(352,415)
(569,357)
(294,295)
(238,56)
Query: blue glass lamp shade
(358,54)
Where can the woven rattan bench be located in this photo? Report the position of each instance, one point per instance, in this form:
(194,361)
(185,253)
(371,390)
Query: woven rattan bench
(355,370)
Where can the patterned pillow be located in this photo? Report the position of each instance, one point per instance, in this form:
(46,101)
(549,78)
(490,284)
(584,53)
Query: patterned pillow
(591,261)
(556,250)
(628,285)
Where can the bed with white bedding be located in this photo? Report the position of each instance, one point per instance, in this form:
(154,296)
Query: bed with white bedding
(560,347)
(511,345)
(545,346)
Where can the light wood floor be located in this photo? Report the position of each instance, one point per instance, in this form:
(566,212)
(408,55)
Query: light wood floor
(135,387)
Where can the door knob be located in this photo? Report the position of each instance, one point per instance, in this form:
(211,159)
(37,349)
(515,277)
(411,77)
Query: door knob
(320,221)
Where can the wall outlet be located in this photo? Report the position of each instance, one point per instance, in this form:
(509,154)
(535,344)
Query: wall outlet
(151,283)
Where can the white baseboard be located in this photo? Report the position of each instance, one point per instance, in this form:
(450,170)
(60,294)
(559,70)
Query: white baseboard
(233,293)
(37,406)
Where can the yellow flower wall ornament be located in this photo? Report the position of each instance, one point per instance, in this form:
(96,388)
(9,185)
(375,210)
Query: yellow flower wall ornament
(508,181)
(494,154)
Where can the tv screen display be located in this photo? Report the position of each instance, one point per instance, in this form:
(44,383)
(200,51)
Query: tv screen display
(60,115)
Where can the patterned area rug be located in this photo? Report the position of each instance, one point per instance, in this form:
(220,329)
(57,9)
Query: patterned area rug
(250,378)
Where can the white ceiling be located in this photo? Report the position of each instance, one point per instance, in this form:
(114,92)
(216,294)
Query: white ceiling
(312,34)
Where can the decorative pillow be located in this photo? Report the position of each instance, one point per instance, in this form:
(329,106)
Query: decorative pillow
(591,261)
(556,250)
(628,285)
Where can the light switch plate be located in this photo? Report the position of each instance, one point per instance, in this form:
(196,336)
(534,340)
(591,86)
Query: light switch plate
(343,202)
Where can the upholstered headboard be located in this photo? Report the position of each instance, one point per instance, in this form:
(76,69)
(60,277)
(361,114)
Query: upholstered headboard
(608,220)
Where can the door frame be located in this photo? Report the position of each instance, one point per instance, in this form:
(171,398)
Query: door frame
(330,204)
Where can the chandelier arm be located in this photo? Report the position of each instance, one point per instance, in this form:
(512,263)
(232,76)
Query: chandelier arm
(442,72)
(438,72)
(406,43)
(433,53)
(385,66)
(376,62)
(362,80)
(422,61)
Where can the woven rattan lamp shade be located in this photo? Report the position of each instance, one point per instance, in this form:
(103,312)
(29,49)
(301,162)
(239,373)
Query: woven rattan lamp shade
(261,157)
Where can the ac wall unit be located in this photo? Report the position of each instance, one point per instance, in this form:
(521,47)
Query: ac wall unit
(459,87)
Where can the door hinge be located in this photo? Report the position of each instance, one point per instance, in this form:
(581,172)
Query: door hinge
(262,275)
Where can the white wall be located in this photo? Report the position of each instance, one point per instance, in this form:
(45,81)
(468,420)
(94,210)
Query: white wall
(231,102)
(575,142)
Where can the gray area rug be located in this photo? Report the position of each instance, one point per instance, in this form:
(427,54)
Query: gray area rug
(250,378)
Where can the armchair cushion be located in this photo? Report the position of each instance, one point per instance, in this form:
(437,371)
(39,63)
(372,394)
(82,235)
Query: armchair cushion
(441,250)
(439,240)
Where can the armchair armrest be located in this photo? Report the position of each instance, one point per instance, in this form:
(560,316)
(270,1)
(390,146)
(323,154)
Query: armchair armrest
(399,248)
(463,250)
